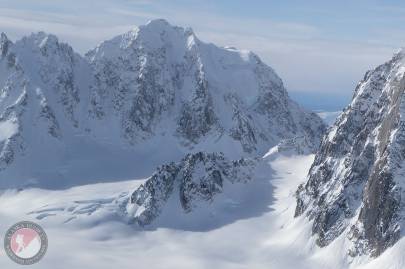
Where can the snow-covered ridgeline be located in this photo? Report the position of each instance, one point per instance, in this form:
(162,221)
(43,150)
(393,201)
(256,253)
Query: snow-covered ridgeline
(155,86)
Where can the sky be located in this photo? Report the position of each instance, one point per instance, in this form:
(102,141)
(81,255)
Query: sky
(321,49)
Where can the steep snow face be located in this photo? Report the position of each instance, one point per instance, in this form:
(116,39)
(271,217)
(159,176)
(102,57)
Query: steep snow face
(164,77)
(355,184)
(64,117)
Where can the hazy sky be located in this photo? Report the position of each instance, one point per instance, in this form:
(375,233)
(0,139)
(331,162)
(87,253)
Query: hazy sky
(318,46)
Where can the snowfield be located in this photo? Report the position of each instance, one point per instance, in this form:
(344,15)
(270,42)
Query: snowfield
(87,233)
(97,238)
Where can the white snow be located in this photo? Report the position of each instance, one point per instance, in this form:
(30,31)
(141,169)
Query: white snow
(248,226)
(62,143)
(31,250)
(97,239)
(84,230)
(7,129)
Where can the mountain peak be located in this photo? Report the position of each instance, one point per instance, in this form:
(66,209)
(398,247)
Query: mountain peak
(158,23)
(159,26)
(41,39)
(3,37)
(155,34)
(44,44)
(154,83)
(49,40)
(4,44)
(399,54)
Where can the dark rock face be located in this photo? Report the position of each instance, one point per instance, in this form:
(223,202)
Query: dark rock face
(155,192)
(197,178)
(198,117)
(4,44)
(355,183)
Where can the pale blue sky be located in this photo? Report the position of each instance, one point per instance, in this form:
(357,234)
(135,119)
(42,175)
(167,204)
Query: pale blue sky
(321,47)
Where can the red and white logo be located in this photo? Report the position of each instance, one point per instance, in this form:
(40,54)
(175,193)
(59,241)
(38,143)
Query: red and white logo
(26,243)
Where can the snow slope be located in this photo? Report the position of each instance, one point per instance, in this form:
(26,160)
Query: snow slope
(251,232)
(255,231)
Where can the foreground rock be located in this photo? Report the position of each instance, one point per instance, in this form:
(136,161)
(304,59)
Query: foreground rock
(194,182)
(356,184)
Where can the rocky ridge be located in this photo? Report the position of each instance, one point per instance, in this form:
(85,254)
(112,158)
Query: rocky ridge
(355,185)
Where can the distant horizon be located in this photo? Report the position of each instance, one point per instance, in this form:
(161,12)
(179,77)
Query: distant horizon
(322,47)
(318,102)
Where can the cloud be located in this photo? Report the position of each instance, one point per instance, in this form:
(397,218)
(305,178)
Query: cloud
(305,55)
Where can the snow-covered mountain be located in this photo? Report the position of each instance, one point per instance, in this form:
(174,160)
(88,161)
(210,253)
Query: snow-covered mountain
(141,99)
(164,77)
(355,186)
(43,87)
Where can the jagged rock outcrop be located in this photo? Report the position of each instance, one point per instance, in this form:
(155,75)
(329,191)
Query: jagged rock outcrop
(355,185)
(196,179)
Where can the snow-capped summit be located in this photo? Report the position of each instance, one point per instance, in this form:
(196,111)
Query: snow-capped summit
(355,186)
(41,40)
(42,85)
(154,34)
(165,77)
(155,86)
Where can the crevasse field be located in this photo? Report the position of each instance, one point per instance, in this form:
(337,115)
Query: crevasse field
(89,231)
